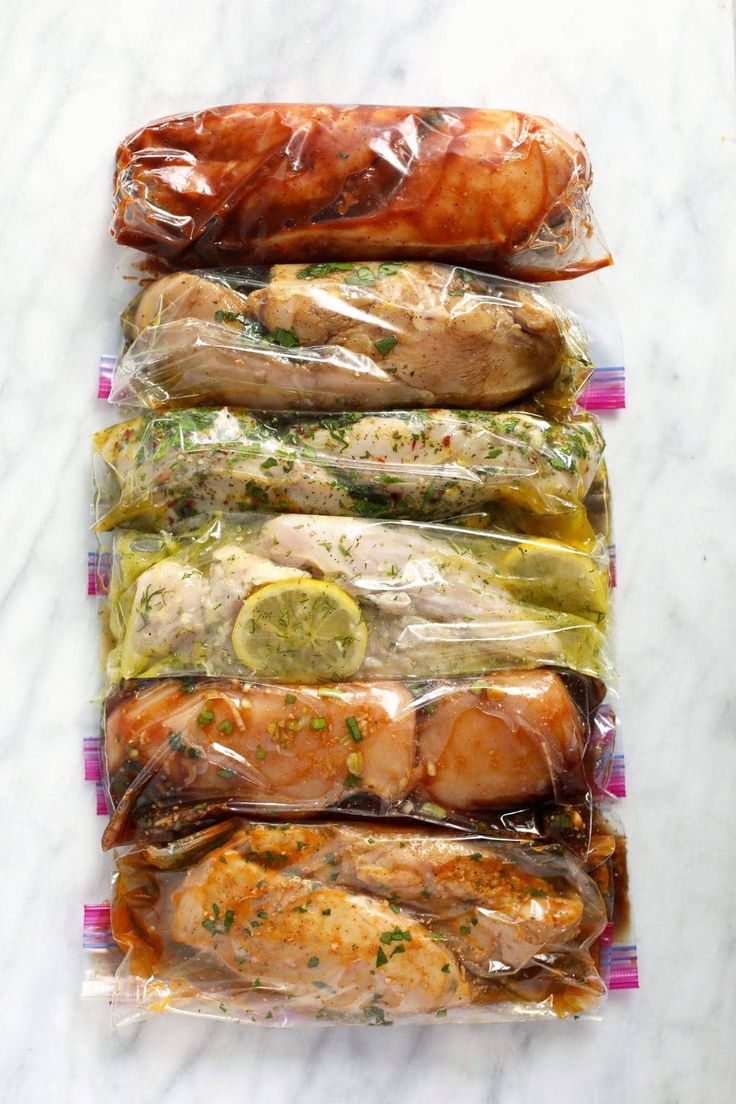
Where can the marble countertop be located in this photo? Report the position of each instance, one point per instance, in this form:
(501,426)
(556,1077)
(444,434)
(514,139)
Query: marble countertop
(651,87)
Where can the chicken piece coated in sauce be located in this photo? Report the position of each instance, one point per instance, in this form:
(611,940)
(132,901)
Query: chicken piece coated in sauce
(277,747)
(308,938)
(180,751)
(442,335)
(489,910)
(426,325)
(419,465)
(255,183)
(516,738)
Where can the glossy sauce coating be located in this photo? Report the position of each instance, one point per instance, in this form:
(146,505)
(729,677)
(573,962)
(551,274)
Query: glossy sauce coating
(180,752)
(355,923)
(262,182)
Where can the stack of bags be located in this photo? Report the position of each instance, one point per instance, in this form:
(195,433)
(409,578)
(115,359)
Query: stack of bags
(357,738)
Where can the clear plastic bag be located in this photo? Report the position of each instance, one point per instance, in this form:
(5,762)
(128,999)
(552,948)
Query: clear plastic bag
(510,753)
(341,924)
(313,599)
(529,474)
(255,183)
(348,337)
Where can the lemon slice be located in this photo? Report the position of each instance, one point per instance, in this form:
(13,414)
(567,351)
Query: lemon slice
(303,630)
(543,573)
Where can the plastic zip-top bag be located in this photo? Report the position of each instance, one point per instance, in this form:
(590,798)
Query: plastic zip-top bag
(526,473)
(258,183)
(516,753)
(350,336)
(355,923)
(305,598)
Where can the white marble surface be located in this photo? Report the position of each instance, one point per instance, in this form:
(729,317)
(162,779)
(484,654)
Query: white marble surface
(651,86)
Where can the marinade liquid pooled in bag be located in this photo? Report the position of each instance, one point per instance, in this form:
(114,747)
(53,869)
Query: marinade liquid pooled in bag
(287,924)
(312,599)
(505,753)
(528,474)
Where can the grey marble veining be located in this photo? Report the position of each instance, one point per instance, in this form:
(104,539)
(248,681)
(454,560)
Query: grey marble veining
(651,86)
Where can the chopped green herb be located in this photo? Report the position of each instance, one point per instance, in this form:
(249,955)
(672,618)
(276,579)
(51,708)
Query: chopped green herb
(287,339)
(176,741)
(381,959)
(205,717)
(225,772)
(388,268)
(363,276)
(446,968)
(386,344)
(146,607)
(270,463)
(290,699)
(318,723)
(225,726)
(376,1014)
(315,271)
(352,782)
(441,1012)
(314,961)
(395,936)
(355,763)
(354,729)
(429,809)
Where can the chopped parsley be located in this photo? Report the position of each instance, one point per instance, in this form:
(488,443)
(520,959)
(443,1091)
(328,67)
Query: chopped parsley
(287,339)
(384,345)
(210,924)
(315,271)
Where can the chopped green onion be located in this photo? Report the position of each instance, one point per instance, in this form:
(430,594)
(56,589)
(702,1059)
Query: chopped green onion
(354,729)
